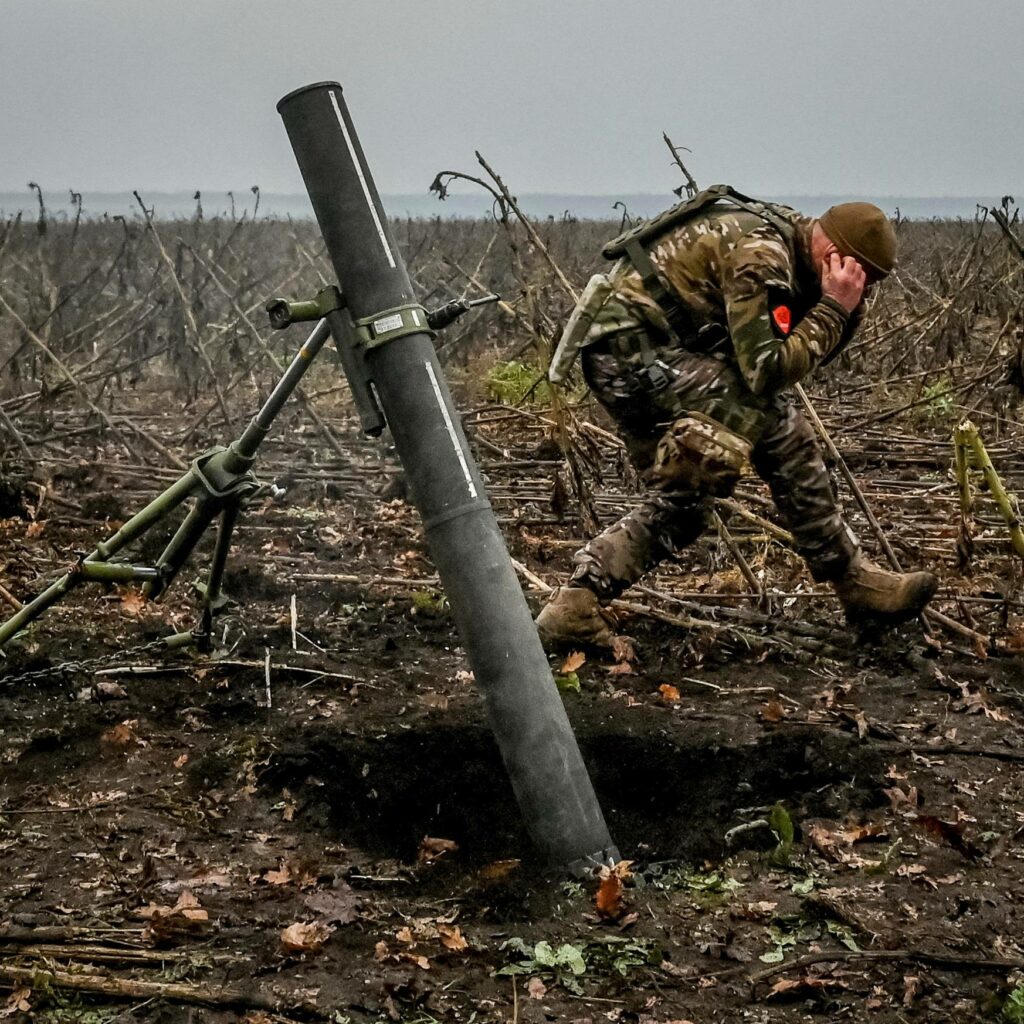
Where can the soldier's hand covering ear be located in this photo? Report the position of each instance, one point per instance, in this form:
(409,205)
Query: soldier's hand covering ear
(843,279)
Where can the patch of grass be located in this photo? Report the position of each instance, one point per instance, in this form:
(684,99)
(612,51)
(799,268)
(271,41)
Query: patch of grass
(514,382)
(1013,1008)
(52,1005)
(431,603)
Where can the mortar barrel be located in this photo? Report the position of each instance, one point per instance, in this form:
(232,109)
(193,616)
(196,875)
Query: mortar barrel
(525,710)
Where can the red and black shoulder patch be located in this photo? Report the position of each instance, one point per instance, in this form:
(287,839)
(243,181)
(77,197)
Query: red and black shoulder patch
(782,310)
(782,318)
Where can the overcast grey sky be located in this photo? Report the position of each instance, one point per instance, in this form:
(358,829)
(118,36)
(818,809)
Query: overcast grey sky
(893,97)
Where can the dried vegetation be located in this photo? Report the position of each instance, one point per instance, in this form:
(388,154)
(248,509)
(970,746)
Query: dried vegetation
(312,822)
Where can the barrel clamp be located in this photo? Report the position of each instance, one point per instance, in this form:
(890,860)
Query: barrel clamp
(380,328)
(391,324)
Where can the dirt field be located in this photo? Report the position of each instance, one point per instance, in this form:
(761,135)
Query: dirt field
(312,822)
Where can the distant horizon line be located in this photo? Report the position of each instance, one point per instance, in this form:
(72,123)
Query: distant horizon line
(461,205)
(247,190)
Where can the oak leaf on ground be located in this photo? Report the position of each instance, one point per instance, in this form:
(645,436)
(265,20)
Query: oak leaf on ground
(305,937)
(609,898)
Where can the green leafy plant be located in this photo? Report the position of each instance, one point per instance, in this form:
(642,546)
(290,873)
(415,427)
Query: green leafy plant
(782,826)
(568,962)
(621,956)
(844,933)
(564,964)
(711,882)
(936,401)
(785,938)
(568,683)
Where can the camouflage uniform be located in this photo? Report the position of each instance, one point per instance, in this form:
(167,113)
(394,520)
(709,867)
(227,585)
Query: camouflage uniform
(758,325)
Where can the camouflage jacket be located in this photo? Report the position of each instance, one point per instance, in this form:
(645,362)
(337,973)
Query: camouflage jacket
(753,297)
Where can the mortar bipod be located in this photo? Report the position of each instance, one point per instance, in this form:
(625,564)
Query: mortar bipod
(221,482)
(221,479)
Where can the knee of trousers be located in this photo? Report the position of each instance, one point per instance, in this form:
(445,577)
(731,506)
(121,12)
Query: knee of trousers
(699,456)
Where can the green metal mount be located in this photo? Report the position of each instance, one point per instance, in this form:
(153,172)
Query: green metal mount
(284,312)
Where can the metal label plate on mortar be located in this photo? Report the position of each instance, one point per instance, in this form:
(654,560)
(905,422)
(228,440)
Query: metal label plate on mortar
(387,323)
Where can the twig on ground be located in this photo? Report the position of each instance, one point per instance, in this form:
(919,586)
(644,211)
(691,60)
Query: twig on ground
(128,988)
(954,961)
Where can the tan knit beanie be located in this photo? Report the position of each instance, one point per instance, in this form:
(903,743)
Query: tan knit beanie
(862,230)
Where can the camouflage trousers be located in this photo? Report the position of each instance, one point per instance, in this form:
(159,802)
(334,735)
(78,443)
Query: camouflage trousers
(783,452)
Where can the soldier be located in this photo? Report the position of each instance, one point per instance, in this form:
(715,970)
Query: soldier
(691,346)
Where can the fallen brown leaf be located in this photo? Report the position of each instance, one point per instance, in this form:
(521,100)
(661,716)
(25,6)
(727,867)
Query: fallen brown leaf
(132,602)
(950,831)
(19,1001)
(902,801)
(431,848)
(165,922)
(107,690)
(303,937)
(420,961)
(621,668)
(623,649)
(281,875)
(609,899)
(808,981)
(122,737)
(452,938)
(912,988)
(535,987)
(574,661)
(339,905)
(498,870)
(978,701)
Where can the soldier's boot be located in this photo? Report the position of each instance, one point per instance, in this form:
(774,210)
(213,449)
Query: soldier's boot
(870,593)
(574,615)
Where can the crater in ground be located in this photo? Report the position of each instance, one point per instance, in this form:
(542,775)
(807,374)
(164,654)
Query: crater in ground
(667,792)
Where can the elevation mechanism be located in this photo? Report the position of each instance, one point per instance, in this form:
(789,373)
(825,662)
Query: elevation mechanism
(384,338)
(393,340)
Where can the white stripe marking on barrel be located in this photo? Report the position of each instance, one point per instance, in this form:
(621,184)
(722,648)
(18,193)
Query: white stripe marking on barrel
(451,429)
(362,181)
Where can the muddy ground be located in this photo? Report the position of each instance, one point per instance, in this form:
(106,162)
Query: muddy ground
(312,822)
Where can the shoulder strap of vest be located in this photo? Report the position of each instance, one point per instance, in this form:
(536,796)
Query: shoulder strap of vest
(648,231)
(633,245)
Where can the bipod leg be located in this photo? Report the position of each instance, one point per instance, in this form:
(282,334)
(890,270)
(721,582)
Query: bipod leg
(214,599)
(135,527)
(174,556)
